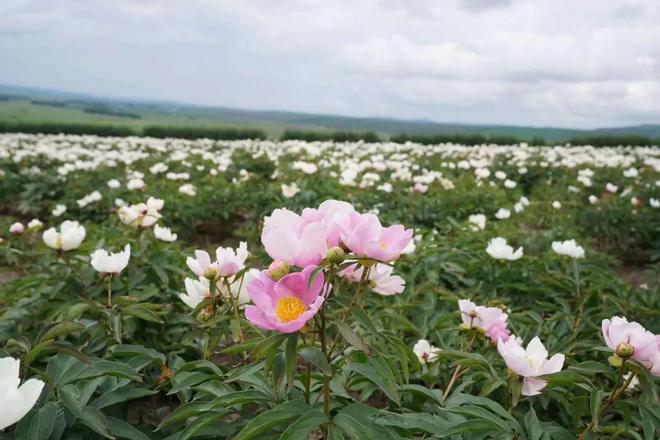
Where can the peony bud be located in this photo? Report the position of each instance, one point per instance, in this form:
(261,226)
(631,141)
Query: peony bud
(336,255)
(211,273)
(205,314)
(625,350)
(278,269)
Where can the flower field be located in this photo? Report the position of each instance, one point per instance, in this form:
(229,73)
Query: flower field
(175,289)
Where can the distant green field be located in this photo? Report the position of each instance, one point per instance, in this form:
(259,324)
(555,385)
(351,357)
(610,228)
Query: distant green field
(34,106)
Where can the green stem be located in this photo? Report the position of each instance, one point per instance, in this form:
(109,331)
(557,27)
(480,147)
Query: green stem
(613,398)
(109,291)
(326,379)
(457,371)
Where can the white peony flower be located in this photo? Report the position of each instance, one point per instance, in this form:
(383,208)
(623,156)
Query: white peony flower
(58,210)
(135,184)
(426,353)
(500,250)
(164,234)
(610,187)
(568,248)
(556,204)
(502,214)
(113,183)
(478,222)
(70,237)
(16,401)
(291,190)
(105,262)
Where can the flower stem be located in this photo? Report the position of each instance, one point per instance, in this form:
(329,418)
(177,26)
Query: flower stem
(613,398)
(326,379)
(109,291)
(457,371)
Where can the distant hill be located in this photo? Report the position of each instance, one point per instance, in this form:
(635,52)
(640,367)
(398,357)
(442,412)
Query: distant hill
(27,104)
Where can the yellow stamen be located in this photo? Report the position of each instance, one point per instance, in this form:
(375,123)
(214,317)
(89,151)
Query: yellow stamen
(58,241)
(383,245)
(289,308)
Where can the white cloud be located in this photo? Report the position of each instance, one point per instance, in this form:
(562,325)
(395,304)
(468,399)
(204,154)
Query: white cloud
(547,62)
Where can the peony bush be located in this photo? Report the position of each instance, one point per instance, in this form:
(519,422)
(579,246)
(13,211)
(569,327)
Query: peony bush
(172,289)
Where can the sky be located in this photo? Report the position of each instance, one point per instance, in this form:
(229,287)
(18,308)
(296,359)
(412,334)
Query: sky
(570,63)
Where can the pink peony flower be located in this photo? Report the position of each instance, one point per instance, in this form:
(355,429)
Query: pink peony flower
(529,363)
(337,217)
(201,263)
(646,345)
(380,277)
(300,240)
(368,238)
(491,320)
(286,305)
(230,261)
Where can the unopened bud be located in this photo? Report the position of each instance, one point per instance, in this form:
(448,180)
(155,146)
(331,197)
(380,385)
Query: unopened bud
(624,350)
(278,269)
(336,255)
(205,314)
(211,273)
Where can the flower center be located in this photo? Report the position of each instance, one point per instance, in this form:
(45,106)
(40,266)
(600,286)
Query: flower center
(58,241)
(289,308)
(383,245)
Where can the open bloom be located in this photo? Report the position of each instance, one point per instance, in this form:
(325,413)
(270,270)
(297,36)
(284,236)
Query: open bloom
(491,320)
(368,238)
(141,215)
(645,345)
(290,190)
(16,401)
(164,234)
(380,278)
(500,250)
(70,237)
(502,214)
(426,353)
(286,305)
(230,261)
(201,263)
(299,240)
(478,222)
(198,290)
(105,262)
(569,248)
(530,362)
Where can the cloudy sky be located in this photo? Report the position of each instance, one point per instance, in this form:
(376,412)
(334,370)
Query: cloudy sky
(586,63)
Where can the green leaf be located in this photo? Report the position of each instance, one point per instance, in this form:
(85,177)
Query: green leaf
(379,373)
(316,357)
(350,336)
(268,420)
(301,428)
(291,353)
(106,368)
(533,426)
(186,379)
(121,395)
(39,426)
(58,329)
(141,312)
(595,401)
(121,429)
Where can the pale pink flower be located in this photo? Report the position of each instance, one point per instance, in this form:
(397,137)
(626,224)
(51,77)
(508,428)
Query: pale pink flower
(299,240)
(530,363)
(230,261)
(368,238)
(618,330)
(380,278)
(491,320)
